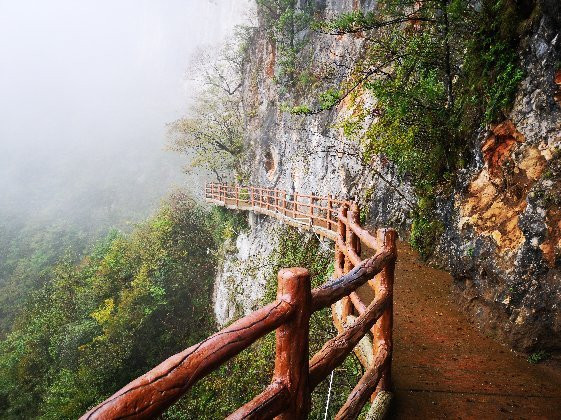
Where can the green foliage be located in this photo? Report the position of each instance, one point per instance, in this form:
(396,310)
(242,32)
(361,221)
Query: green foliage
(225,224)
(296,250)
(212,135)
(249,373)
(285,22)
(425,230)
(135,300)
(538,357)
(438,71)
(329,98)
(491,63)
(297,109)
(28,252)
(95,326)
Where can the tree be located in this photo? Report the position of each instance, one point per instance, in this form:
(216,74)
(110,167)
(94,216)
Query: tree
(437,69)
(212,135)
(285,21)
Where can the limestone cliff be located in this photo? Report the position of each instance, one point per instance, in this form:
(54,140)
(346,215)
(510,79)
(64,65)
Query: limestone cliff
(502,224)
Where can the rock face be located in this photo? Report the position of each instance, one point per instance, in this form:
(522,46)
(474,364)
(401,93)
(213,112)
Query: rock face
(502,236)
(502,225)
(241,279)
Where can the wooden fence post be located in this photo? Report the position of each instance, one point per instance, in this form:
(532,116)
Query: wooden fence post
(329,207)
(268,198)
(351,240)
(383,336)
(341,262)
(295,207)
(355,216)
(311,209)
(292,347)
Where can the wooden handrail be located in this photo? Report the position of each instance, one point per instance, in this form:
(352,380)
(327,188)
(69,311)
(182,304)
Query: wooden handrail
(153,392)
(295,375)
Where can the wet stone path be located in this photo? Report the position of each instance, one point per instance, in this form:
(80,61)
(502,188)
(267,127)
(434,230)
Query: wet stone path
(445,368)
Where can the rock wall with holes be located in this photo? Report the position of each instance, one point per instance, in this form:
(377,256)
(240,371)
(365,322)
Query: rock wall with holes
(303,154)
(502,222)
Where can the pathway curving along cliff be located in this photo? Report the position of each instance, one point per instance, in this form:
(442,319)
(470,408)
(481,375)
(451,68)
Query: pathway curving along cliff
(443,366)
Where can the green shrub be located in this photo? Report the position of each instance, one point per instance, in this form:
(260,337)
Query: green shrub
(538,357)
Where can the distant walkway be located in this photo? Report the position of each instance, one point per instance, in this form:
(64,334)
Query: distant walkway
(305,211)
(444,368)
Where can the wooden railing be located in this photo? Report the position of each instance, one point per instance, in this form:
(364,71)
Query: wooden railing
(303,210)
(295,374)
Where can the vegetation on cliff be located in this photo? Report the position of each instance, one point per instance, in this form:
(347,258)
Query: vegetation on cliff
(437,72)
(234,383)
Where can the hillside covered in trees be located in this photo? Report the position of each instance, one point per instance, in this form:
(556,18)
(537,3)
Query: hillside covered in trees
(441,117)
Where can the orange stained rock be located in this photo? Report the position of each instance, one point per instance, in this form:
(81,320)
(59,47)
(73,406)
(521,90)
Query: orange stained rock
(499,145)
(497,196)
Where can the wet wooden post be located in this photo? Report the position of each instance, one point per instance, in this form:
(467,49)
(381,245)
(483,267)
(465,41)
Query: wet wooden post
(295,208)
(292,346)
(251,196)
(341,262)
(329,207)
(383,335)
(311,209)
(355,216)
(237,188)
(351,240)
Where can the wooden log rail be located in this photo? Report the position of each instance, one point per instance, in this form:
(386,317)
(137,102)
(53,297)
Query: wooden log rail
(315,212)
(295,374)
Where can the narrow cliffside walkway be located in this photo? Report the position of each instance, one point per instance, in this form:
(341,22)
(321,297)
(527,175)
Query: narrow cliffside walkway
(444,368)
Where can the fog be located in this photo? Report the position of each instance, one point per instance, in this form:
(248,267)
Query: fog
(86,90)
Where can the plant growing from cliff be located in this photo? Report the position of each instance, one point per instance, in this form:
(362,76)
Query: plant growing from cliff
(234,383)
(285,22)
(437,70)
(427,71)
(538,357)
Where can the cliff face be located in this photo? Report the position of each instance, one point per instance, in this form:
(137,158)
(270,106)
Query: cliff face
(503,223)
(501,238)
